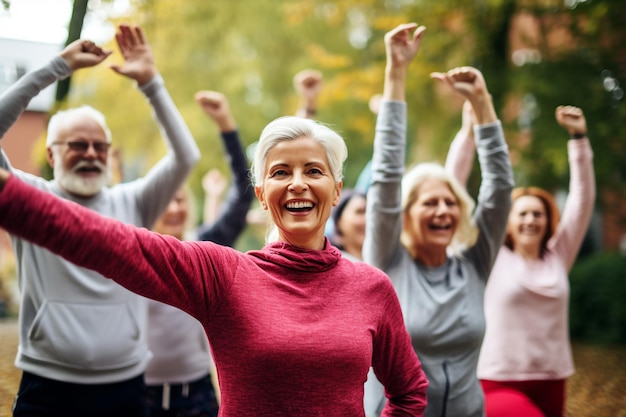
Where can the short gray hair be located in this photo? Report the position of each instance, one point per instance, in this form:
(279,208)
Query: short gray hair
(289,128)
(61,117)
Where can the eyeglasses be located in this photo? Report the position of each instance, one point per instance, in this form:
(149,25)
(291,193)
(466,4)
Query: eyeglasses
(80,146)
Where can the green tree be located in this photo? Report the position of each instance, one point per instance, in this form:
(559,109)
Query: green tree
(250,51)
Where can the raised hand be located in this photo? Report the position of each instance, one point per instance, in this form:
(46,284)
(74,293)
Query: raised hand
(138,58)
(215,105)
(308,84)
(572,119)
(402,44)
(214,183)
(469,82)
(83,53)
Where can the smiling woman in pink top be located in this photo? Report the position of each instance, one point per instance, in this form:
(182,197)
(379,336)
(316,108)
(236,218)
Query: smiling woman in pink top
(526,354)
(294,327)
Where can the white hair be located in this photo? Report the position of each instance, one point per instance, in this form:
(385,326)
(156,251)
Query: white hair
(290,128)
(63,116)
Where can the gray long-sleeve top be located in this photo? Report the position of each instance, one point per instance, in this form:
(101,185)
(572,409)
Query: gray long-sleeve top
(76,325)
(442,306)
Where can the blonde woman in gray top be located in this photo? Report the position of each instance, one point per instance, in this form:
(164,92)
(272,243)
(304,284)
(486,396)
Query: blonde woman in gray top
(423,231)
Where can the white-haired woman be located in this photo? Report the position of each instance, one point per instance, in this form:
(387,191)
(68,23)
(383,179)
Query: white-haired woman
(294,327)
(423,231)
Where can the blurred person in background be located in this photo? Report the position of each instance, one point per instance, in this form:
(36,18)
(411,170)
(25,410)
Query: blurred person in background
(348,218)
(526,356)
(423,231)
(82,338)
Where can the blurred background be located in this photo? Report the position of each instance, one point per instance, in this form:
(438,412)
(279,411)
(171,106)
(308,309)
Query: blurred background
(535,55)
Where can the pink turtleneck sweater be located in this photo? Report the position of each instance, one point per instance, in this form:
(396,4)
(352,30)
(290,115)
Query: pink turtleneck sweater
(293,331)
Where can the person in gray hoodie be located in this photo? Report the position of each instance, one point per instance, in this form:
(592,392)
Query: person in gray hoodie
(82,338)
(423,231)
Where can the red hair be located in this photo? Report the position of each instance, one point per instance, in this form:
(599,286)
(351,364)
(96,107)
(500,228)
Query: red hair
(552,213)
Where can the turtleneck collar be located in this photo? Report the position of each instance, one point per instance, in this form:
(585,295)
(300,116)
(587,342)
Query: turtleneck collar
(288,256)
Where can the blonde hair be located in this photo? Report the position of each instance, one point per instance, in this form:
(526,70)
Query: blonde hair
(466,233)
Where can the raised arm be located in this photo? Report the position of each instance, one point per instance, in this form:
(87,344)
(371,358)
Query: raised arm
(187,275)
(494,197)
(158,187)
(580,201)
(232,216)
(460,156)
(384,217)
(308,85)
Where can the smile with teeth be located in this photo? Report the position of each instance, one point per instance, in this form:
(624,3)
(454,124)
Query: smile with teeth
(299,206)
(440,226)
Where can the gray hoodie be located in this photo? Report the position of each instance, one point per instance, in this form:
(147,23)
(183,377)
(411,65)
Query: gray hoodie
(75,325)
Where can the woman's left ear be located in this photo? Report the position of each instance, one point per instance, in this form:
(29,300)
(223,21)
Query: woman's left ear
(338,188)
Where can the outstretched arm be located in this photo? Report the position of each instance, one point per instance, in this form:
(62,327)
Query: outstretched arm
(402,45)
(187,275)
(308,85)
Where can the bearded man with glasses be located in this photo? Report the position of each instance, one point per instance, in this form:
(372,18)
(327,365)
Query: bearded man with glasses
(83,341)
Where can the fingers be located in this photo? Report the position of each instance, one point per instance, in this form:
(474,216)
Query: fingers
(307,77)
(417,35)
(465,80)
(83,53)
(572,119)
(463,74)
(129,37)
(569,111)
(402,30)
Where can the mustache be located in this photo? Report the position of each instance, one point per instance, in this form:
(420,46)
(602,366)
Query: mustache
(89,164)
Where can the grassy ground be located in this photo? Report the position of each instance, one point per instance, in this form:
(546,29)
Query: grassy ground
(598,389)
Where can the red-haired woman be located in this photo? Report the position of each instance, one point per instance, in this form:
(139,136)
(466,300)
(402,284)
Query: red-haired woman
(526,354)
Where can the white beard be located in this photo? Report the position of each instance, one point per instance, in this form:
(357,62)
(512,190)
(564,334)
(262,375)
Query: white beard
(74,183)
